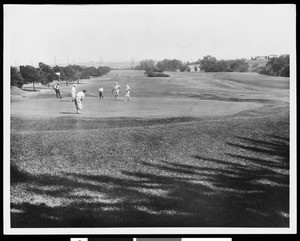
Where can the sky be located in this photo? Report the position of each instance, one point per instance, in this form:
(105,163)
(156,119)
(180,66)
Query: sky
(83,33)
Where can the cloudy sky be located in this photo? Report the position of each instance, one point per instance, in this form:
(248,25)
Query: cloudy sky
(83,33)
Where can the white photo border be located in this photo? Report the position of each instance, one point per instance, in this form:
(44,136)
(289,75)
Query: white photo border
(148,231)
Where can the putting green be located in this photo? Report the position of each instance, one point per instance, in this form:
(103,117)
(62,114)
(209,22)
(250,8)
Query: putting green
(136,107)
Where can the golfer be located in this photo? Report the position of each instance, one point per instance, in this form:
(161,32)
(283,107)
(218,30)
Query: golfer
(116,89)
(101,92)
(78,100)
(127,94)
(73,92)
(57,90)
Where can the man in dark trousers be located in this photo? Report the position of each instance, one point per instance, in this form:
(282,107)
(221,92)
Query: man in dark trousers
(57,90)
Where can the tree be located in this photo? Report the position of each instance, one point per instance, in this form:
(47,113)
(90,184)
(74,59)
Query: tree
(176,65)
(70,73)
(104,69)
(16,78)
(285,65)
(148,65)
(195,68)
(83,74)
(169,65)
(163,65)
(58,69)
(92,71)
(80,73)
(47,74)
(209,64)
(30,74)
(239,65)
(279,66)
(223,66)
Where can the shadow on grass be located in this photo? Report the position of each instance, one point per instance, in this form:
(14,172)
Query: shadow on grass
(66,112)
(17,176)
(70,123)
(244,190)
(31,90)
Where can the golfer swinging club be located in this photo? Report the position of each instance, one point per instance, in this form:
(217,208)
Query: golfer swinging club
(116,89)
(78,100)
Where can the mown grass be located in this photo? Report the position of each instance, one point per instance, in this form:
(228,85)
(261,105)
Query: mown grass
(221,172)
(230,171)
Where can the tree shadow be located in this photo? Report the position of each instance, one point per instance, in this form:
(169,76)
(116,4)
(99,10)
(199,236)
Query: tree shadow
(237,191)
(31,90)
(18,176)
(66,112)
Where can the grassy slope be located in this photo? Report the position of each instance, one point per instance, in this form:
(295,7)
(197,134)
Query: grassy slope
(230,171)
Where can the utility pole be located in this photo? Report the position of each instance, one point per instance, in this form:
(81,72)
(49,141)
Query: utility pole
(132,62)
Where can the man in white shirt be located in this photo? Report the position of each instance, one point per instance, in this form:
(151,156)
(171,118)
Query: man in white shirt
(127,94)
(78,100)
(117,90)
(57,90)
(73,92)
(100,92)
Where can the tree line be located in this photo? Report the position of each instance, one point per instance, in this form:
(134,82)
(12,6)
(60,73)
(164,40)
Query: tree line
(164,65)
(211,64)
(46,74)
(277,66)
(207,64)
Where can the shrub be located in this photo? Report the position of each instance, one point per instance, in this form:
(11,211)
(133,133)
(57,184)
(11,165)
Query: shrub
(155,74)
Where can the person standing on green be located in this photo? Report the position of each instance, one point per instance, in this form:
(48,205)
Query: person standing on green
(127,94)
(117,90)
(57,90)
(73,92)
(101,92)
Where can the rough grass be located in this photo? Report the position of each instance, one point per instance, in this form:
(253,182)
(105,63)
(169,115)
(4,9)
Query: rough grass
(231,172)
(228,171)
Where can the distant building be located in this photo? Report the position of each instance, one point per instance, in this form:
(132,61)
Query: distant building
(192,67)
(260,58)
(272,56)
